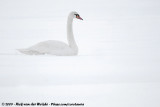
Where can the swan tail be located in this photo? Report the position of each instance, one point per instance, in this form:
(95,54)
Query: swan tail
(29,52)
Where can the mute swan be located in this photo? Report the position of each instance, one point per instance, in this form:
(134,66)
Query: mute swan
(54,47)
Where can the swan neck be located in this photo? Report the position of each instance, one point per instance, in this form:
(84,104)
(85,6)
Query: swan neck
(70,36)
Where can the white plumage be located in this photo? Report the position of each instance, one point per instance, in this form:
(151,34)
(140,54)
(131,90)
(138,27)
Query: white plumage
(54,47)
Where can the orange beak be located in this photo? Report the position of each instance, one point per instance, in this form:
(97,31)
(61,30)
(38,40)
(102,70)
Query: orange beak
(78,17)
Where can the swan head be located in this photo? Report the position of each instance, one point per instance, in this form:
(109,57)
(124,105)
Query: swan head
(75,15)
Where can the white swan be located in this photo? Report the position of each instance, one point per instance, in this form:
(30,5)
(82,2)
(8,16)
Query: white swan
(54,47)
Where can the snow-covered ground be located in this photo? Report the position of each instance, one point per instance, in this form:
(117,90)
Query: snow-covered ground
(119,53)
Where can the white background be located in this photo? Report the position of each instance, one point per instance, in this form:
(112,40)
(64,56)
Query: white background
(118,63)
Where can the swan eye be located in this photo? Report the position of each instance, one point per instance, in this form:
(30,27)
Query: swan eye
(76,15)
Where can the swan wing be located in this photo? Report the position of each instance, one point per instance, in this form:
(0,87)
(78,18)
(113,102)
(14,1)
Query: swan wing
(48,47)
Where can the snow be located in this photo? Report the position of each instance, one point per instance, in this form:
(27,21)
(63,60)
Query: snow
(118,63)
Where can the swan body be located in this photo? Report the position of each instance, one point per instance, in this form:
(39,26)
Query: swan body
(54,47)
